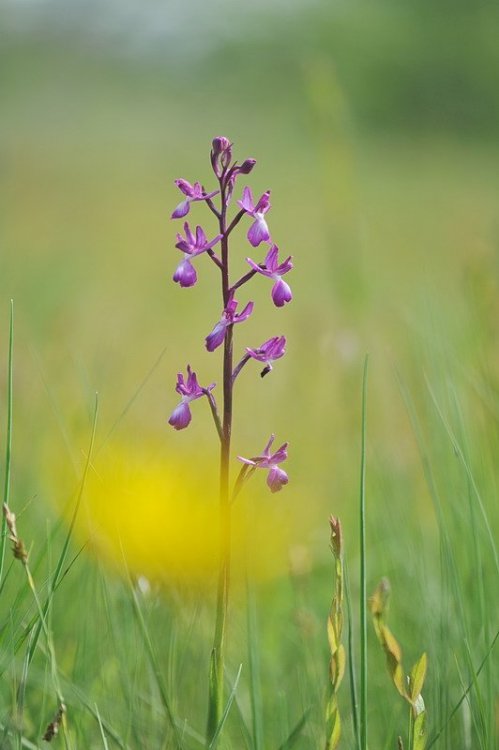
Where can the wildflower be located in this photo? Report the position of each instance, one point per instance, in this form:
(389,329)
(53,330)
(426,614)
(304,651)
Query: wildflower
(281,292)
(190,391)
(258,231)
(272,349)
(192,193)
(185,273)
(229,317)
(276,477)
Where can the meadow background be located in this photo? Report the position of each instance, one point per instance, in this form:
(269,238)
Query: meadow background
(375,125)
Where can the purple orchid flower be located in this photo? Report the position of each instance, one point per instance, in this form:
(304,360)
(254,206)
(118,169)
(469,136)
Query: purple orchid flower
(272,349)
(281,292)
(258,231)
(276,477)
(229,317)
(185,273)
(192,193)
(190,391)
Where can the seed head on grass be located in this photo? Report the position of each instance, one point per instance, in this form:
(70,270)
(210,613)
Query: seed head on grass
(409,686)
(334,634)
(18,548)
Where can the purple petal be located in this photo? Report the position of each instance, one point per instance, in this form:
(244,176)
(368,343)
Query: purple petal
(271,258)
(266,450)
(247,461)
(263,204)
(285,266)
(281,293)
(276,479)
(185,274)
(244,315)
(216,337)
(181,416)
(280,455)
(258,231)
(185,187)
(182,209)
(200,238)
(246,203)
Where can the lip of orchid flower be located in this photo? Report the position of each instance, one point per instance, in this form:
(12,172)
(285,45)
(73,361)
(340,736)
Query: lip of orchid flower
(193,245)
(281,291)
(229,317)
(270,350)
(276,477)
(258,231)
(192,193)
(190,390)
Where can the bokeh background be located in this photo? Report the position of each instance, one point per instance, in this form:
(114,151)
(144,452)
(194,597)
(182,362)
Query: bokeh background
(375,125)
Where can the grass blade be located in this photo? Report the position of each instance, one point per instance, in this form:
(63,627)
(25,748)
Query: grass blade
(8,441)
(295,732)
(225,714)
(363,583)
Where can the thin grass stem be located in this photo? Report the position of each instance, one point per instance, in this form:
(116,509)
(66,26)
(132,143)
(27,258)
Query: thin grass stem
(363,581)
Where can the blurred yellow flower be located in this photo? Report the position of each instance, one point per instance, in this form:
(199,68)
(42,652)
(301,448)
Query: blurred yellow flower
(157,516)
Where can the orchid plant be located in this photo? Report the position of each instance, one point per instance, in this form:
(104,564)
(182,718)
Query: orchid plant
(195,243)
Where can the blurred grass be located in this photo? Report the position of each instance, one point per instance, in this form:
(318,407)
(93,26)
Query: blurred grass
(393,225)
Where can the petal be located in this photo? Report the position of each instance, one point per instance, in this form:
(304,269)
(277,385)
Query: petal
(246,203)
(209,245)
(285,266)
(247,461)
(185,274)
(281,293)
(280,455)
(185,187)
(271,258)
(181,416)
(258,231)
(182,209)
(263,204)
(216,337)
(244,315)
(276,479)
(256,354)
(200,238)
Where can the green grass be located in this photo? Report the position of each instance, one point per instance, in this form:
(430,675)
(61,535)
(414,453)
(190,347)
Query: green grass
(395,244)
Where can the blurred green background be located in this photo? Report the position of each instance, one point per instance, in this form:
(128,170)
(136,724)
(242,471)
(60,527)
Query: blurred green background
(375,125)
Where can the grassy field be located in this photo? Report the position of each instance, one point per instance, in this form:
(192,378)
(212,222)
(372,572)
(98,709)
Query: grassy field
(395,240)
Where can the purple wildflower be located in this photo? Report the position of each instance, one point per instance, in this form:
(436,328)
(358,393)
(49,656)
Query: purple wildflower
(258,231)
(281,292)
(190,391)
(272,349)
(192,193)
(276,477)
(191,246)
(229,317)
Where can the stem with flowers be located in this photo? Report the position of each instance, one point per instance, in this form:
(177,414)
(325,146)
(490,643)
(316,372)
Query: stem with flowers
(193,244)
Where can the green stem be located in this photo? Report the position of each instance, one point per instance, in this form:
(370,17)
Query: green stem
(8,446)
(363,585)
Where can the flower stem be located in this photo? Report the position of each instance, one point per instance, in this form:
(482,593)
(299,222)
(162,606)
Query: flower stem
(216,694)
